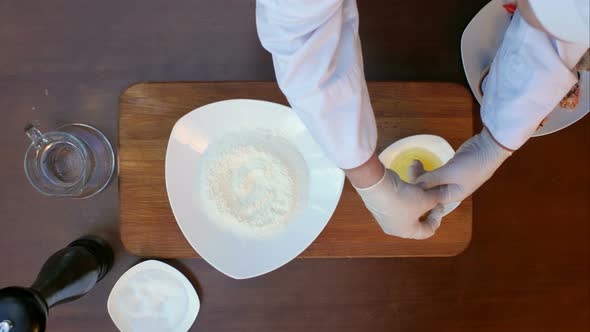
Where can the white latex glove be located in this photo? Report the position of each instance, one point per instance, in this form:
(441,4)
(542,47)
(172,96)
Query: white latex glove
(473,164)
(397,206)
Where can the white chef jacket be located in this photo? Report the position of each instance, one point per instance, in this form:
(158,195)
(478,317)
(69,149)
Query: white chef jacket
(318,63)
(530,74)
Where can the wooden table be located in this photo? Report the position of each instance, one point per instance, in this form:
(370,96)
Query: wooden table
(528,265)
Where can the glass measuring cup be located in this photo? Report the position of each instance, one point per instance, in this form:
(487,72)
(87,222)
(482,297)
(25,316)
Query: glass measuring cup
(76,161)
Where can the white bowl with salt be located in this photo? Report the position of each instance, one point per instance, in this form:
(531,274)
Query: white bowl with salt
(249,187)
(153,296)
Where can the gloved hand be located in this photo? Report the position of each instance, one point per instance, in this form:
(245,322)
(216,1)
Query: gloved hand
(397,206)
(473,164)
(529,76)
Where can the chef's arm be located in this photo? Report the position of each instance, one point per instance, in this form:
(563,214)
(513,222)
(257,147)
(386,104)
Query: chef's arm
(317,59)
(530,74)
(319,67)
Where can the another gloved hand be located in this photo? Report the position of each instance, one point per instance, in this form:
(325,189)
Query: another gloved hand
(397,206)
(473,164)
(529,76)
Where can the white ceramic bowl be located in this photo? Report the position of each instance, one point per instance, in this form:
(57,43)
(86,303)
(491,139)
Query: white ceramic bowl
(435,144)
(480,40)
(153,296)
(231,250)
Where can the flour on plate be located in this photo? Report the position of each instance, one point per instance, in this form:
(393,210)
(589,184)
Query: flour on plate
(250,181)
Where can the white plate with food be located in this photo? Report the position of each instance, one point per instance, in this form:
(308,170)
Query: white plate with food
(432,151)
(248,185)
(480,40)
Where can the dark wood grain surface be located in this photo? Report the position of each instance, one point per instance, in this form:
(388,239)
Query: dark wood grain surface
(528,265)
(148,112)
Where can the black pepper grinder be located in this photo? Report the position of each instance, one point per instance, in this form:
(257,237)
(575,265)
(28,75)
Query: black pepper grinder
(66,276)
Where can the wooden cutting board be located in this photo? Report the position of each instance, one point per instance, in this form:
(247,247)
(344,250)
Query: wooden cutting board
(148,111)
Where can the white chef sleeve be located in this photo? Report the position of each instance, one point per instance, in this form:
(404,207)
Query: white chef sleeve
(529,76)
(318,63)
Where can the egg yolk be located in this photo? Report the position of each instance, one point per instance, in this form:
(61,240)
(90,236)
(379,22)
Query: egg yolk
(403,161)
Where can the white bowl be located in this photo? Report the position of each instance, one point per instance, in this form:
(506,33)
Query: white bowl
(231,249)
(435,144)
(153,296)
(480,40)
